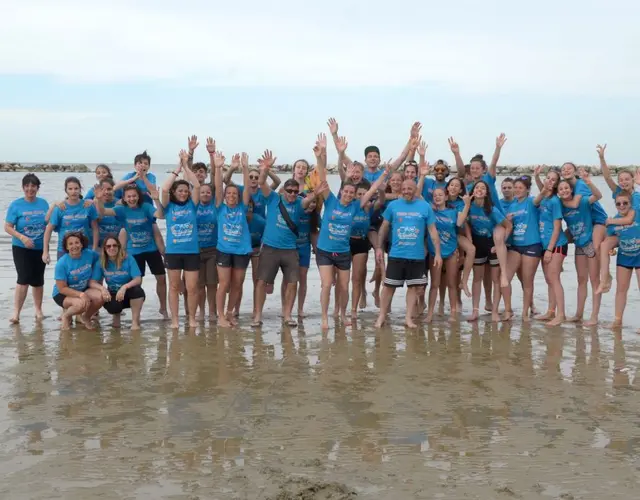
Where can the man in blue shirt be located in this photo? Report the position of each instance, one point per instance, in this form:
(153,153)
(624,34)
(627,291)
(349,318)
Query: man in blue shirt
(279,242)
(141,177)
(408,218)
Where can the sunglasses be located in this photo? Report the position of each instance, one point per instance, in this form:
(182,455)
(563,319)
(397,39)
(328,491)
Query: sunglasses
(292,191)
(112,246)
(411,163)
(254,177)
(621,203)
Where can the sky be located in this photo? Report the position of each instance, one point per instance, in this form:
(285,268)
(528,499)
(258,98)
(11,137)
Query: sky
(93,81)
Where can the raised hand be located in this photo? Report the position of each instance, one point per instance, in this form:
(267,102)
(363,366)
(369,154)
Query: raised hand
(98,192)
(500,140)
(322,188)
(422,148)
(320,148)
(341,144)
(636,177)
(467,199)
(584,175)
(537,170)
(235,161)
(415,130)
(193,143)
(414,142)
(350,170)
(453,145)
(184,156)
(211,145)
(218,159)
(600,149)
(424,168)
(333,126)
(267,160)
(244,160)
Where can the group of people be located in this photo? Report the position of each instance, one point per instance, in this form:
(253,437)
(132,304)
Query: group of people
(418,219)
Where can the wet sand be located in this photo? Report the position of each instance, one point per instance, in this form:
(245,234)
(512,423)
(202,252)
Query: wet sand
(444,411)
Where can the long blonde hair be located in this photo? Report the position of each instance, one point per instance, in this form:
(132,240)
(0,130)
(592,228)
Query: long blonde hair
(104,258)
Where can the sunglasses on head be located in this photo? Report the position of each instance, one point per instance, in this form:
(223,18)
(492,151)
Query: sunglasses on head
(292,191)
(621,203)
(411,163)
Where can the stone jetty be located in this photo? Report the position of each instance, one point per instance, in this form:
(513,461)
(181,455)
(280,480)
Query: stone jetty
(44,167)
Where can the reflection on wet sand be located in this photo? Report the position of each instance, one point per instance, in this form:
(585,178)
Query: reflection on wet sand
(452,410)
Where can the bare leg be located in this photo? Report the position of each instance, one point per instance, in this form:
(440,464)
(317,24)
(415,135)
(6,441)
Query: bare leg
(136,309)
(191,284)
(554,269)
(302,291)
(326,281)
(202,299)
(623,280)
(476,289)
(385,304)
(343,284)
(411,304)
(161,291)
(224,284)
(607,245)
(436,278)
(469,255)
(358,278)
(96,302)
(596,298)
(452,284)
(488,295)
(582,270)
(235,289)
(529,267)
(72,307)
(175,283)
(37,292)
(19,297)
(290,298)
(261,296)
(499,233)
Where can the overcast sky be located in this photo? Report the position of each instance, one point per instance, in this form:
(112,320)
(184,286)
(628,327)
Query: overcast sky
(95,81)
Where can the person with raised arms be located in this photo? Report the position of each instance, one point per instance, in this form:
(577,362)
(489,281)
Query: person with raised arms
(408,219)
(108,224)
(555,245)
(234,237)
(122,279)
(279,244)
(577,212)
(141,177)
(207,217)
(25,223)
(72,276)
(103,172)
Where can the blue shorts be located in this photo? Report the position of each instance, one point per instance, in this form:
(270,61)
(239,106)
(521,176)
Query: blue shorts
(304,254)
(628,261)
(534,250)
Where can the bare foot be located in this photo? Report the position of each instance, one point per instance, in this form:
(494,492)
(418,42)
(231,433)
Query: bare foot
(453,316)
(301,315)
(408,322)
(164,314)
(193,323)
(14,320)
(346,320)
(325,323)
(65,323)
(507,316)
(380,321)
(429,318)
(135,326)
(488,306)
(604,286)
(86,322)
(232,319)
(495,317)
(575,319)
(546,316)
(201,317)
(617,323)
(558,320)
(591,322)
(175,324)
(376,299)
(363,301)
(465,288)
(526,318)
(441,310)
(39,316)
(474,316)
(223,322)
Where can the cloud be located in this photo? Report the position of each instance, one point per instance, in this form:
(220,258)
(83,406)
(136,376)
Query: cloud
(45,116)
(490,46)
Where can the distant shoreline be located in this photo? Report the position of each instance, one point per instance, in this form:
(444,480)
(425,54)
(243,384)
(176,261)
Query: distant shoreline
(502,170)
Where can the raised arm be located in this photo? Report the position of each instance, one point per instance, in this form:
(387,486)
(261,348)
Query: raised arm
(341,145)
(125,182)
(536,176)
(462,216)
(320,151)
(414,135)
(266,162)
(595,192)
(211,150)
(422,165)
(606,172)
(235,165)
(455,149)
(217,162)
(173,176)
(191,178)
(333,129)
(500,140)
(192,144)
(246,195)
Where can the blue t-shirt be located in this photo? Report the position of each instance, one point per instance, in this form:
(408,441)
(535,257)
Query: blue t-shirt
(526,230)
(456,204)
(73,218)
(108,224)
(256,228)
(579,222)
(335,229)
(90,194)
(28,219)
(505,204)
(234,236)
(629,241)
(114,277)
(550,210)
(207,216)
(408,221)
(304,230)
(598,214)
(483,224)
(138,223)
(259,201)
(76,272)
(182,228)
(491,182)
(635,198)
(279,235)
(447,226)
(361,223)
(429,186)
(372,176)
(143,187)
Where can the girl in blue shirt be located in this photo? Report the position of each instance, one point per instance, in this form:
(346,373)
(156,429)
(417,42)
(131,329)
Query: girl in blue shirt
(107,224)
(554,244)
(626,227)
(484,218)
(234,238)
(207,217)
(72,276)
(25,222)
(103,172)
(122,280)
(577,213)
(179,202)
(506,186)
(448,223)
(526,250)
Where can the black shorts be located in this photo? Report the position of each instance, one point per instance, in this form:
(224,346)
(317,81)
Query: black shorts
(153,260)
(233,260)
(342,261)
(59,299)
(359,245)
(562,250)
(29,266)
(115,307)
(527,250)
(484,254)
(400,271)
(182,261)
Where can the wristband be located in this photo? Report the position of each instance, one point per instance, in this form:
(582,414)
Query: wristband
(175,173)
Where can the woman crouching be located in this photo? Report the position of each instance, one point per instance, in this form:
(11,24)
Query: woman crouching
(122,279)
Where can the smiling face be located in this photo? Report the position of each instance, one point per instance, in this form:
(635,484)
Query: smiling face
(441,172)
(623,205)
(201,175)
(74,246)
(111,247)
(476,169)
(480,191)
(357,173)
(507,190)
(142,166)
(107,189)
(312,206)
(408,190)
(206,195)
(372,160)
(131,198)
(395,182)
(520,190)
(291,191)
(30,191)
(568,171)
(564,191)
(625,179)
(73,191)
(102,174)
(551,180)
(348,194)
(454,188)
(439,198)
(182,193)
(254,178)
(231,196)
(410,172)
